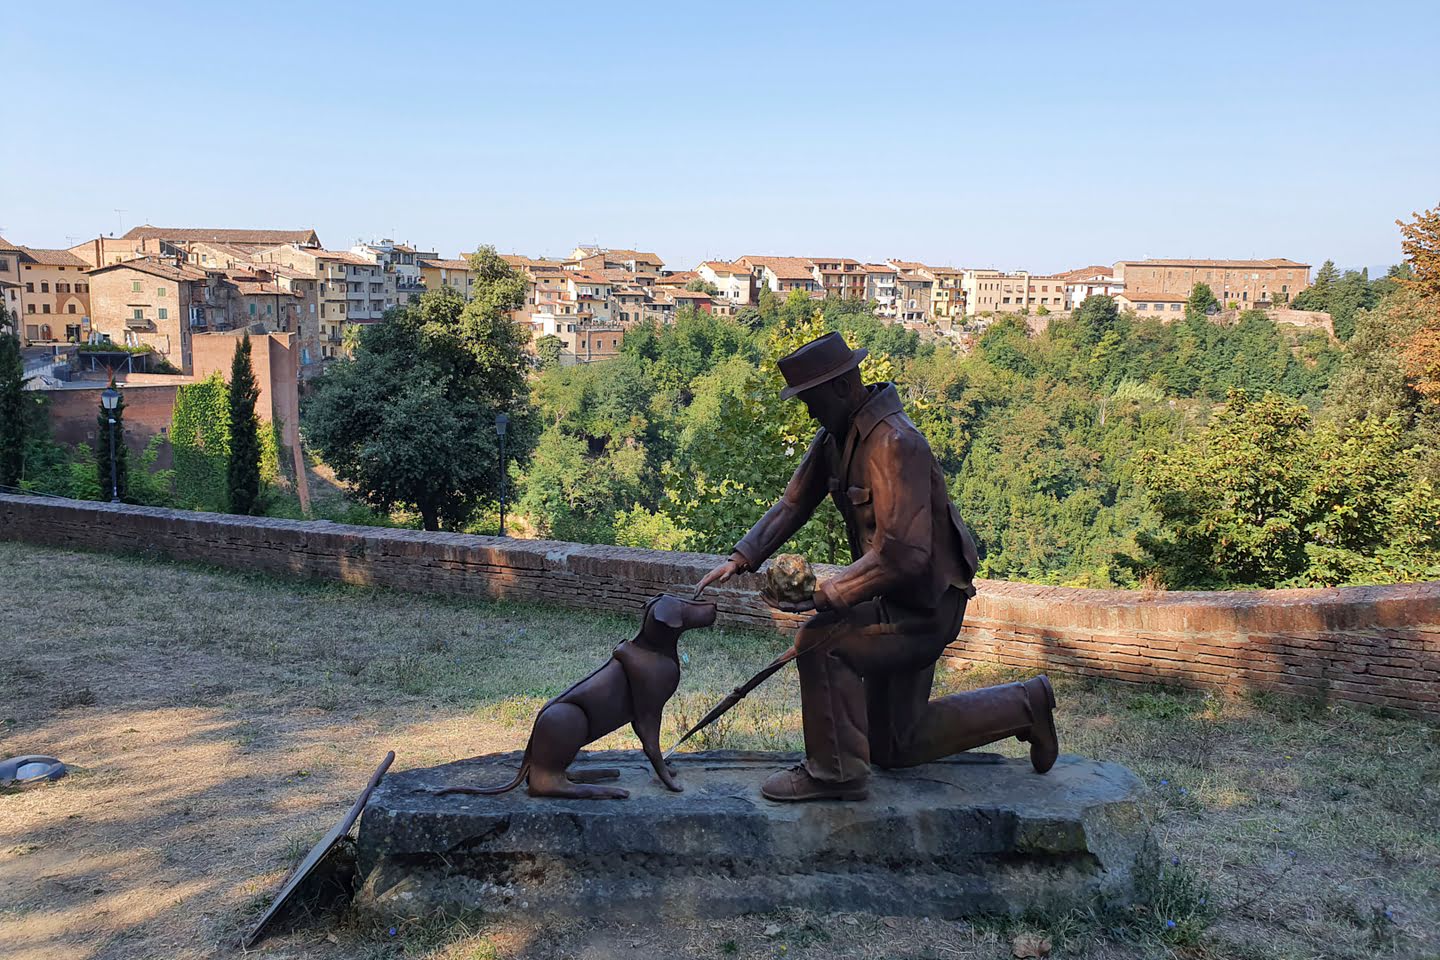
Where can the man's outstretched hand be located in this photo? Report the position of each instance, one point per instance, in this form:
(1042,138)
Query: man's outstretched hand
(720,574)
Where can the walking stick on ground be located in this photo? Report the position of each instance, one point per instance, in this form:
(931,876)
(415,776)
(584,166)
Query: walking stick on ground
(740,692)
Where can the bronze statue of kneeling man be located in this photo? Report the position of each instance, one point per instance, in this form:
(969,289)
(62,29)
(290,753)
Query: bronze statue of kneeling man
(868,655)
(632,686)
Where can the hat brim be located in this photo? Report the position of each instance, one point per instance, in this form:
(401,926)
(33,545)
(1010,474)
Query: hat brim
(855,357)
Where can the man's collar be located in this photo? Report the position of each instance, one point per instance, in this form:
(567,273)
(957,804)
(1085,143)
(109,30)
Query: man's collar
(884,401)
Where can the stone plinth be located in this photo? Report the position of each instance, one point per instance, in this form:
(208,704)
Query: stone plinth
(946,839)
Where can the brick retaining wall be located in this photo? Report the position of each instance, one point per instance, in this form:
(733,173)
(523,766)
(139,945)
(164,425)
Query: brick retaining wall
(1376,646)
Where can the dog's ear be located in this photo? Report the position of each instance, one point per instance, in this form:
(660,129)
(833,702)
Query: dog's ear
(667,611)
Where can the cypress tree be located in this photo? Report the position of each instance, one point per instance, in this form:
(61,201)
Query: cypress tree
(12,404)
(243,476)
(102,450)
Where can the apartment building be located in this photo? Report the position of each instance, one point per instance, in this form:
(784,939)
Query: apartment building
(328,270)
(10,280)
(947,297)
(734,281)
(995,291)
(53,295)
(914,291)
(455,274)
(402,277)
(152,302)
(1163,306)
(1092,281)
(840,277)
(783,274)
(1235,283)
(881,286)
(590,259)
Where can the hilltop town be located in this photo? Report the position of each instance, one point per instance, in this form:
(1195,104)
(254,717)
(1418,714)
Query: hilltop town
(157,289)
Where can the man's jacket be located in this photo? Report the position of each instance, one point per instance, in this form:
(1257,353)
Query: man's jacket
(907,541)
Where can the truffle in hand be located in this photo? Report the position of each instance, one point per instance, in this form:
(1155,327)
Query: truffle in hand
(789,579)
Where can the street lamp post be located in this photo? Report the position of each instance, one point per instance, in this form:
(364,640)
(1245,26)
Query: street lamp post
(110,399)
(502,421)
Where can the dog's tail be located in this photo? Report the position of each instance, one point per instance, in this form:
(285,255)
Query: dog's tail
(495,791)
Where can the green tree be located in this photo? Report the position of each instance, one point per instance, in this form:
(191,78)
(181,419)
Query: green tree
(548,349)
(1097,314)
(114,479)
(408,418)
(1201,301)
(14,415)
(701,285)
(200,444)
(242,477)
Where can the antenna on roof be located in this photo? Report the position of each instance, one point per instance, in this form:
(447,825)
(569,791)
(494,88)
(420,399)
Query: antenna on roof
(119,220)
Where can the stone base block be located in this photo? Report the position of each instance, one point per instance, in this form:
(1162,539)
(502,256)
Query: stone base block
(949,839)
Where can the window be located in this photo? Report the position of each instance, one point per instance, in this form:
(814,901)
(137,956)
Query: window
(5,264)
(159,291)
(29,308)
(1174,307)
(163,313)
(62,288)
(252,309)
(135,286)
(1142,306)
(44,287)
(45,308)
(71,309)
(29,287)
(139,314)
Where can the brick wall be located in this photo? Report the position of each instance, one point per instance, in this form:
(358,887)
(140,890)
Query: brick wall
(1365,646)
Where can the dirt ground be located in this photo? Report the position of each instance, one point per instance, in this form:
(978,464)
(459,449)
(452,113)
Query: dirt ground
(218,724)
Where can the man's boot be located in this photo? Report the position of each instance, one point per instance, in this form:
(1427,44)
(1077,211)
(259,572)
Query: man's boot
(963,721)
(796,784)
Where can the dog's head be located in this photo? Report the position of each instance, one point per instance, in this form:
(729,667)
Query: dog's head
(679,613)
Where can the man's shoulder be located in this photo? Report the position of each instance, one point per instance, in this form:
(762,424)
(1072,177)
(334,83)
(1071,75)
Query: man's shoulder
(897,433)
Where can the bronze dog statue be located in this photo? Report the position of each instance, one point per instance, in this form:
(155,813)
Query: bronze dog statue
(633,685)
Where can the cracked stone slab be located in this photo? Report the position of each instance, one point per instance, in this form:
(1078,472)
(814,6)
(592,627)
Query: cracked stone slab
(947,839)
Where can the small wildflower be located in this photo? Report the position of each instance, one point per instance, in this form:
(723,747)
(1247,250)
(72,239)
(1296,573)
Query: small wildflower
(1389,914)
(1183,791)
(1202,901)
(392,931)
(1175,861)
(1169,924)
(1164,783)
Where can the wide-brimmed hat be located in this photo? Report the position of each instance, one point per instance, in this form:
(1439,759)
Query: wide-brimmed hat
(822,359)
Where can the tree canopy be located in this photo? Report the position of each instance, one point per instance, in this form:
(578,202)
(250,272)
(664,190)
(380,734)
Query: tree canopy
(408,419)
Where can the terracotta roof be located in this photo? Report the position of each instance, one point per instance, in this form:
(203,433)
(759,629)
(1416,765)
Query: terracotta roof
(879,268)
(588,277)
(1086,273)
(683,294)
(720,266)
(637,255)
(1154,297)
(8,247)
(254,287)
(224,235)
(1239,264)
(677,279)
(343,256)
(784,268)
(240,253)
(446,264)
(156,268)
(53,258)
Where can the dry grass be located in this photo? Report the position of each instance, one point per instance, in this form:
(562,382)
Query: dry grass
(219,723)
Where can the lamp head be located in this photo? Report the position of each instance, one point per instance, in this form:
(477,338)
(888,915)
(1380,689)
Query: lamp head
(110,398)
(502,421)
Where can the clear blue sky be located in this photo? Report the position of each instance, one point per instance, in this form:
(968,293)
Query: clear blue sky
(1036,135)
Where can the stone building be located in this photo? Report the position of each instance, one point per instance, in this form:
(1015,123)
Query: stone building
(735,281)
(840,277)
(1235,283)
(454,274)
(53,296)
(153,302)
